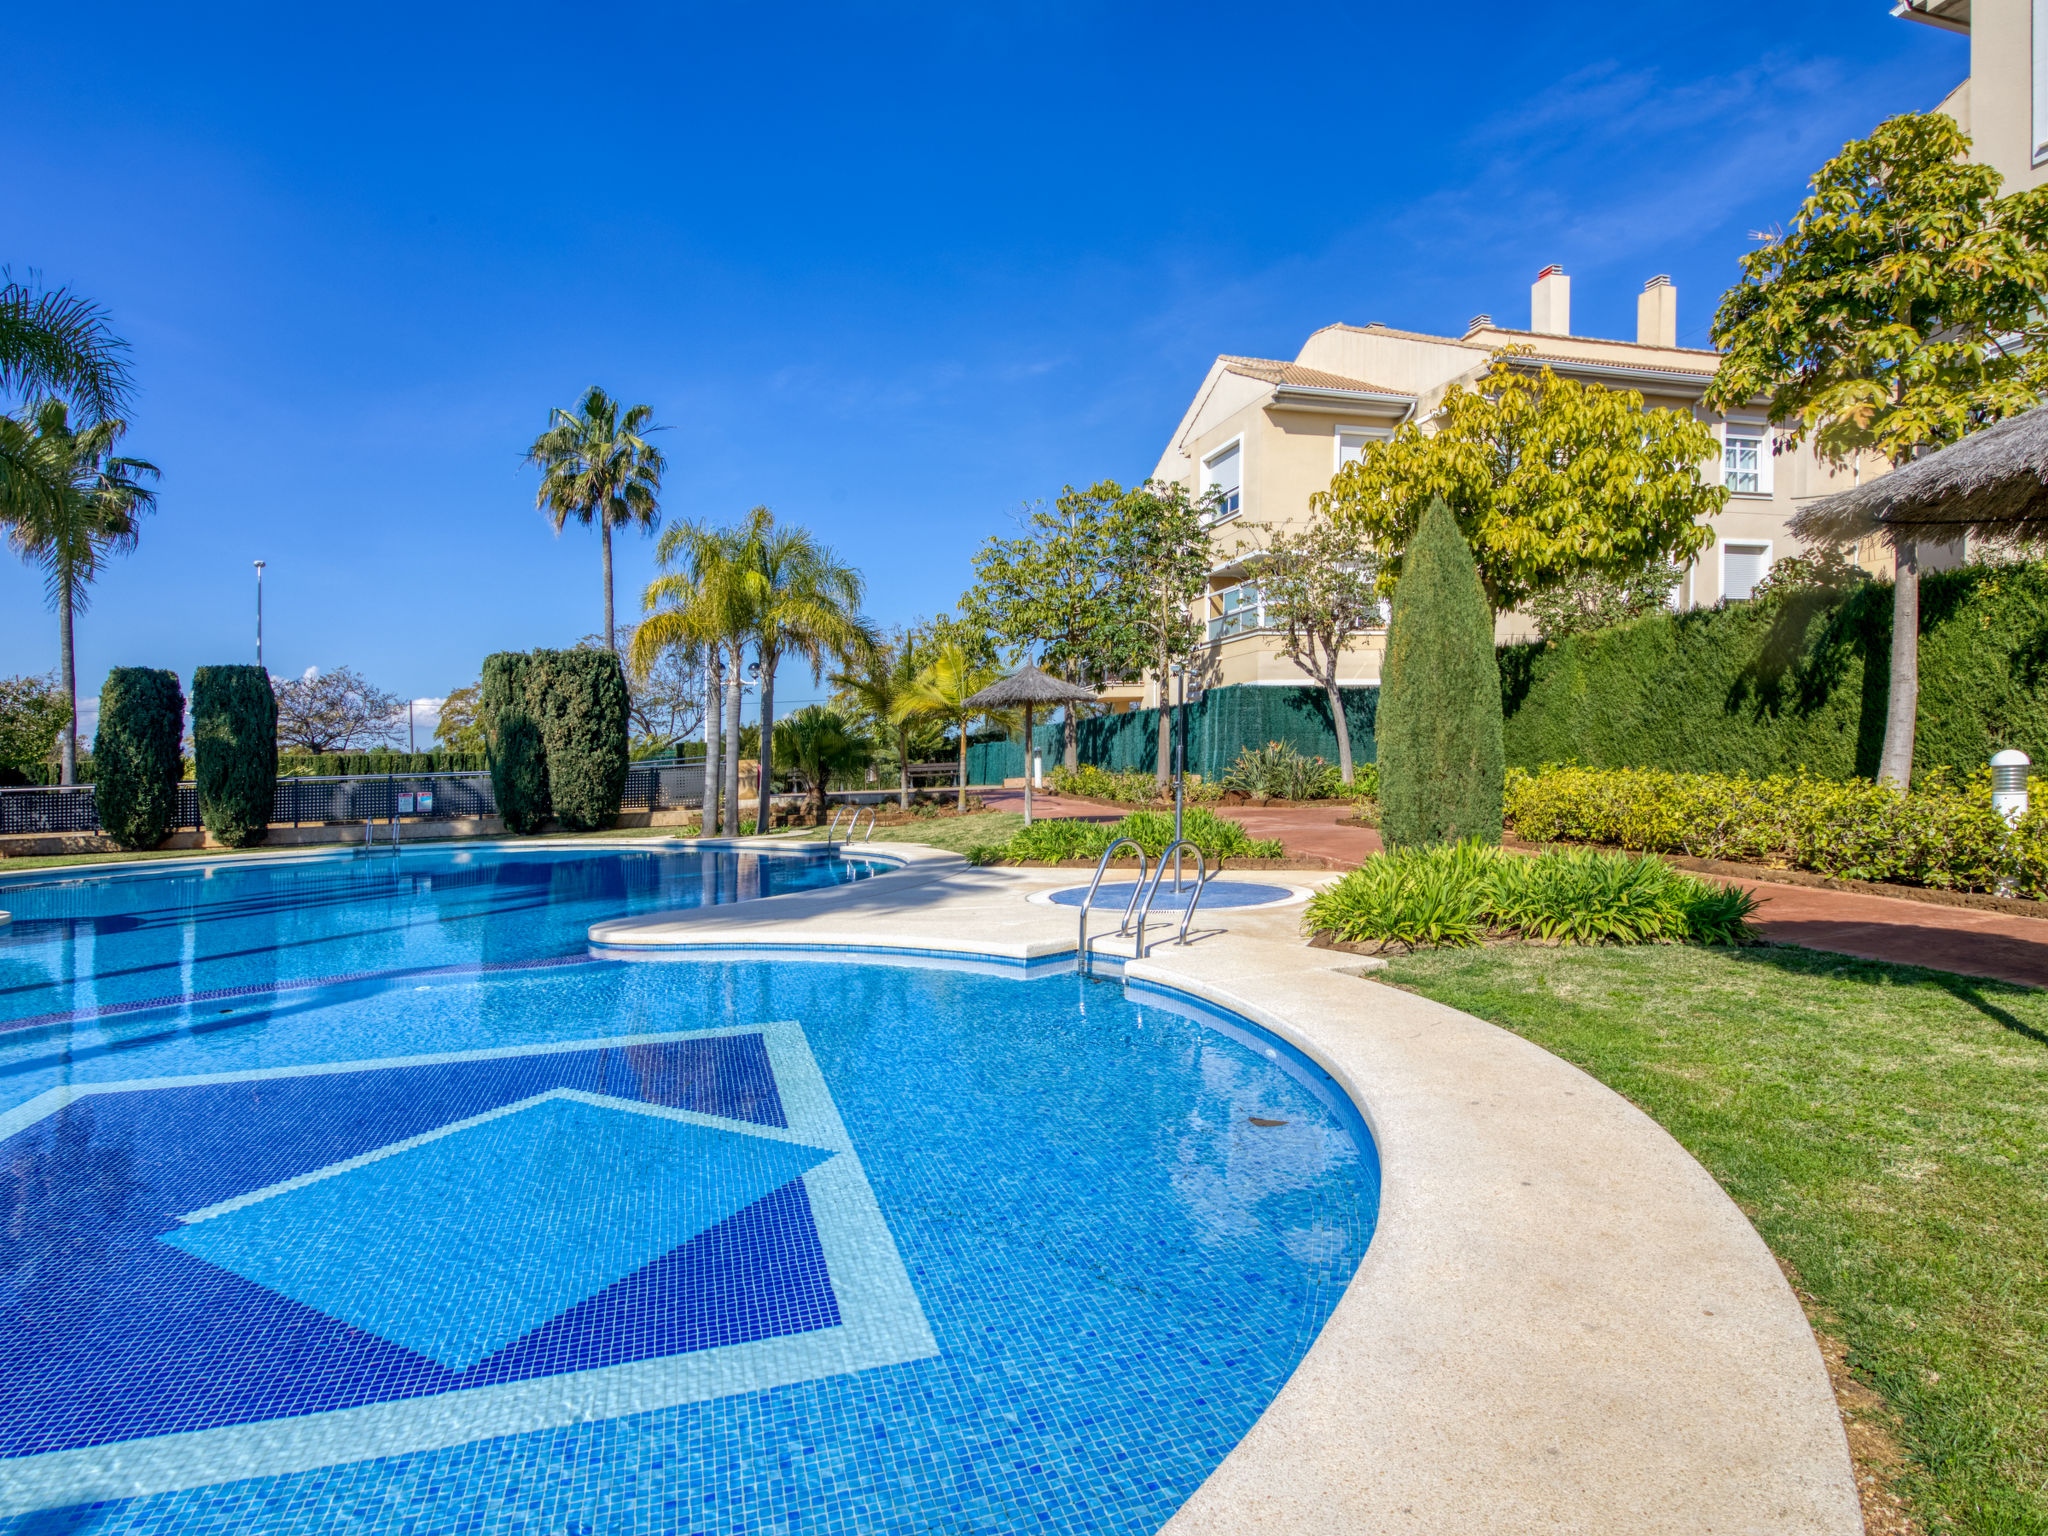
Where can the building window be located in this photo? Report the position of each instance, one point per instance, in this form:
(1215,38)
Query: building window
(1351,443)
(1742,460)
(1223,475)
(1742,567)
(1236,611)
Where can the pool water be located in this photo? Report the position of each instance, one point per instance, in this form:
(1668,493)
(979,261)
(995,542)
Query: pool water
(493,1234)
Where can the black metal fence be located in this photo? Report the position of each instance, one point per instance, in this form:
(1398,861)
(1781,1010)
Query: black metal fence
(344,799)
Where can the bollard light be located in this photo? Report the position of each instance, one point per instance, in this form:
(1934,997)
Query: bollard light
(2009,784)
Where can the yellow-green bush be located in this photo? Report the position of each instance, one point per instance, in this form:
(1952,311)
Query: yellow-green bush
(1943,833)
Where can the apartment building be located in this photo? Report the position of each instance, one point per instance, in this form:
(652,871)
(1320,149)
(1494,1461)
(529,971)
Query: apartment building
(2003,104)
(1265,435)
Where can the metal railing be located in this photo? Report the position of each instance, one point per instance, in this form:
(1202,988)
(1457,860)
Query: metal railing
(1159,875)
(1083,953)
(853,826)
(344,799)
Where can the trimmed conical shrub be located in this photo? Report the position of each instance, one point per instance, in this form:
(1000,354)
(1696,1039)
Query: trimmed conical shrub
(1439,726)
(234,751)
(518,759)
(579,700)
(136,758)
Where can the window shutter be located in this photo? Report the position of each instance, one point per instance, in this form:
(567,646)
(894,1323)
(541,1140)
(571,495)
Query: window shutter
(1742,567)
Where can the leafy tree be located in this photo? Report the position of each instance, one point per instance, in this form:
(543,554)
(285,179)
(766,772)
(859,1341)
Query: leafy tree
(32,712)
(1160,552)
(1319,585)
(459,729)
(949,677)
(137,761)
(578,700)
(704,600)
(974,639)
(234,751)
(518,758)
(334,711)
(1548,478)
(1594,600)
(1055,591)
(596,465)
(667,704)
(820,745)
(77,503)
(1439,724)
(1902,309)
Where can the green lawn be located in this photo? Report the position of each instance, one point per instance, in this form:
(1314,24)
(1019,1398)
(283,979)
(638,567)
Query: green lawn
(956,834)
(1884,1128)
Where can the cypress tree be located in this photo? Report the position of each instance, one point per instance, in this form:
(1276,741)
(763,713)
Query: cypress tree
(579,701)
(1439,726)
(513,746)
(234,750)
(136,758)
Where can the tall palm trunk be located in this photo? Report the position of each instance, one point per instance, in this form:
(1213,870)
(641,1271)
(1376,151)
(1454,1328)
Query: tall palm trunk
(68,760)
(1902,707)
(903,766)
(767,753)
(604,529)
(714,721)
(733,684)
(960,802)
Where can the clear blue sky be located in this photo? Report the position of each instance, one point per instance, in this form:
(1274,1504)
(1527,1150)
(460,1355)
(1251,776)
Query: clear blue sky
(893,270)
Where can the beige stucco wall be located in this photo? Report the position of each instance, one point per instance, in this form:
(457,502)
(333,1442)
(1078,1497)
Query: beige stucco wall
(1997,109)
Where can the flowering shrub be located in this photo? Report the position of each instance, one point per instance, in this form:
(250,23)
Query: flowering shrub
(1943,833)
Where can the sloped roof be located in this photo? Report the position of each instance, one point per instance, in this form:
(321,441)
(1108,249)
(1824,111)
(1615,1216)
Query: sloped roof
(1272,371)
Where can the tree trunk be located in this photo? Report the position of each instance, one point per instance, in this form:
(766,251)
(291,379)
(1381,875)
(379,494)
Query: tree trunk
(960,800)
(604,529)
(733,700)
(903,766)
(1073,741)
(1902,709)
(1027,764)
(1343,728)
(67,772)
(714,732)
(767,753)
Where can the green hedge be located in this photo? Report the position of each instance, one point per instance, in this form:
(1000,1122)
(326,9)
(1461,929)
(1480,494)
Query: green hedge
(136,755)
(331,764)
(1942,833)
(579,700)
(1220,726)
(518,760)
(1793,682)
(234,744)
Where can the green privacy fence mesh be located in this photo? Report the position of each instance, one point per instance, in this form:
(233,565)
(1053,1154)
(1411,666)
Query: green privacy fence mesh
(1220,725)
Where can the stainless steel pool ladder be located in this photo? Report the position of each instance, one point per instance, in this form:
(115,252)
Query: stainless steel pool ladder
(1159,874)
(1131,906)
(853,826)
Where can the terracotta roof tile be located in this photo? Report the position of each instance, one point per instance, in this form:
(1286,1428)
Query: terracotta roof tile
(1272,371)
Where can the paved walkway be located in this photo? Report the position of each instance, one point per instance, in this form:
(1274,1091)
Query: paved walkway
(1962,940)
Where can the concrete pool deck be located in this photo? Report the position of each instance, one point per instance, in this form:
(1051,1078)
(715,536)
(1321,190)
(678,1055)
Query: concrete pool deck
(1562,1323)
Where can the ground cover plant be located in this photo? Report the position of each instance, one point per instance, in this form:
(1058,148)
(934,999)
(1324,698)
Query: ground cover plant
(1459,894)
(1883,1128)
(1053,840)
(1943,833)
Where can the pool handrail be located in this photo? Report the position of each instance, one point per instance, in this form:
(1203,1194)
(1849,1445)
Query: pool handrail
(1159,874)
(853,826)
(1101,865)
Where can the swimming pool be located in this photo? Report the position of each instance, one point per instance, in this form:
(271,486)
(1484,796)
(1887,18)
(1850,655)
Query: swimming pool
(442,1221)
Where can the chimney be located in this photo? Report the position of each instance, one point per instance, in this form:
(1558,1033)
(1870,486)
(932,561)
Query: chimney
(1478,323)
(1657,313)
(1550,302)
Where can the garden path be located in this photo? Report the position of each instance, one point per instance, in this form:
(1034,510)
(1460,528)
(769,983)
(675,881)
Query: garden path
(1962,940)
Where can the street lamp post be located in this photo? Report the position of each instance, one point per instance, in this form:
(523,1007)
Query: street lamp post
(259,613)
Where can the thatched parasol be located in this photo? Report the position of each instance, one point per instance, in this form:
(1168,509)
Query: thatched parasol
(1029,688)
(1994,484)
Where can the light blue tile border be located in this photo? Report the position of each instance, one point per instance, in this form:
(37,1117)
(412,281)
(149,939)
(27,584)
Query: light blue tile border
(882,1321)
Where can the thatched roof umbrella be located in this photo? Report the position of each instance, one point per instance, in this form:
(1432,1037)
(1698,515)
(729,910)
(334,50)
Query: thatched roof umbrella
(1993,484)
(1030,688)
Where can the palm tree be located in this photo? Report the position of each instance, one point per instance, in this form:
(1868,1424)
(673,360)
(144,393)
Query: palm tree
(54,343)
(805,602)
(596,465)
(877,683)
(821,745)
(703,600)
(82,508)
(941,691)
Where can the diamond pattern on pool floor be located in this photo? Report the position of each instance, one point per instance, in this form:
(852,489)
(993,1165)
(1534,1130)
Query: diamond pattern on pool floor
(561,1235)
(457,1246)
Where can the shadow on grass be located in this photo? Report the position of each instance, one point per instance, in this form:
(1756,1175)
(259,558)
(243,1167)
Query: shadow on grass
(1978,992)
